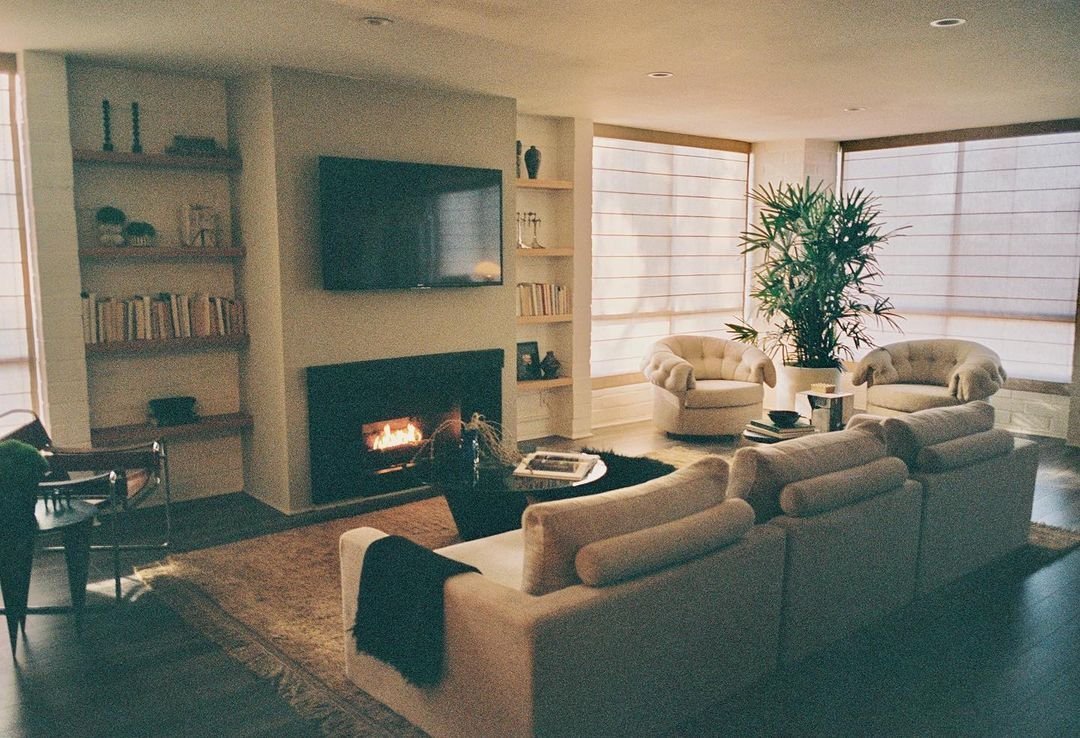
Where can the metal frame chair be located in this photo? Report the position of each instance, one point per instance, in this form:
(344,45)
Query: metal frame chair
(140,469)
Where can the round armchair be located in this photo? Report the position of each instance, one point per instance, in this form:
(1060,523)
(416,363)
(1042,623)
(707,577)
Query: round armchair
(705,386)
(908,376)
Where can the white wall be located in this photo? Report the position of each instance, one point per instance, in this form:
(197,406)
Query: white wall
(315,115)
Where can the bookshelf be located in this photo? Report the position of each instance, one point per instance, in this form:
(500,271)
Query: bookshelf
(132,282)
(205,427)
(550,286)
(223,163)
(162,346)
(157,253)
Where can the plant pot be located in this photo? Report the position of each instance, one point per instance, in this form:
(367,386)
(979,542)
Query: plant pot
(791,380)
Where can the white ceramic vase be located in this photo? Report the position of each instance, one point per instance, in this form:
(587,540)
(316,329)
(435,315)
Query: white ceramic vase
(791,380)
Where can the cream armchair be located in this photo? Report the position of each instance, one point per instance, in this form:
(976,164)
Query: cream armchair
(705,386)
(908,376)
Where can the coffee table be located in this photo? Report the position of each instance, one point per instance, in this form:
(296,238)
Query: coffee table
(495,502)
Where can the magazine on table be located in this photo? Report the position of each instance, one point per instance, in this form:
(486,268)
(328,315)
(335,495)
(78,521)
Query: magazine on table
(556,465)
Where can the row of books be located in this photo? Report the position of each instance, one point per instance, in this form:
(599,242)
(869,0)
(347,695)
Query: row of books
(543,298)
(163,316)
(770,431)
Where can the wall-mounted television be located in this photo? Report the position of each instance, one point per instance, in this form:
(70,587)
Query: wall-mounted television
(388,225)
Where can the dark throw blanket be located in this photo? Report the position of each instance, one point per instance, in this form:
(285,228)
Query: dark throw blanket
(399,609)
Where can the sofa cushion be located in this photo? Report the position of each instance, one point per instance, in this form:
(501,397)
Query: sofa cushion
(499,557)
(964,451)
(555,531)
(816,495)
(649,549)
(910,398)
(907,435)
(723,393)
(759,473)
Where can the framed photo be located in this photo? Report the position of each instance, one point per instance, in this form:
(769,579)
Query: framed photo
(528,360)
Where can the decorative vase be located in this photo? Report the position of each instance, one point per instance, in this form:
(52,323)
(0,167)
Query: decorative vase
(550,366)
(517,160)
(791,380)
(532,162)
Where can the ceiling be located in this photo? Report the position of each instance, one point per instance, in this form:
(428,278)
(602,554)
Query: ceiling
(754,70)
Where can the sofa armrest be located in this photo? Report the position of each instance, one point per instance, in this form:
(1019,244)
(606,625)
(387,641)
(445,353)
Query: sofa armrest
(875,368)
(759,366)
(976,378)
(666,369)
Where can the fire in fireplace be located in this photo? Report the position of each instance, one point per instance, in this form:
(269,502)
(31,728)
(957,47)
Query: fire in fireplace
(392,434)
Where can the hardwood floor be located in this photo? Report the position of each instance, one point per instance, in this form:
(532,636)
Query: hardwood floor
(996,653)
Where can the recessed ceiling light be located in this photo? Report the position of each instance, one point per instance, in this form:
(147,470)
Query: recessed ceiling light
(947,22)
(377,20)
(854,109)
(661,75)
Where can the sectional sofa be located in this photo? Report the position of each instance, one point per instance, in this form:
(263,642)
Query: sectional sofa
(624,612)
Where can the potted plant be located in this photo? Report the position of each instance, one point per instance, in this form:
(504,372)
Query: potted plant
(137,233)
(21,468)
(110,226)
(816,281)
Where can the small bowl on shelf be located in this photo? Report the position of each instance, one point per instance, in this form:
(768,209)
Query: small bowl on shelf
(784,418)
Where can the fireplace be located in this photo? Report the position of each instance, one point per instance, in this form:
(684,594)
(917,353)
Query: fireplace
(367,419)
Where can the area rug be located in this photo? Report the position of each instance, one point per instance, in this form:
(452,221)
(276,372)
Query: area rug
(274,604)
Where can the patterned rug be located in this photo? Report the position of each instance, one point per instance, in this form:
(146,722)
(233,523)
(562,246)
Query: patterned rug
(274,604)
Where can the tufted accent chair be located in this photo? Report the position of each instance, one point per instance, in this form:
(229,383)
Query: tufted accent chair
(705,386)
(909,376)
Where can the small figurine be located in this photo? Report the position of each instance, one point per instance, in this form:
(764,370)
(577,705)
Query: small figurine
(136,144)
(550,366)
(106,124)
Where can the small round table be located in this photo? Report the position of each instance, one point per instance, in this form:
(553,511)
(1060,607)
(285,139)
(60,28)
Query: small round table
(74,520)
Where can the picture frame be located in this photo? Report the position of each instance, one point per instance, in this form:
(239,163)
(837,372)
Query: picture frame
(528,361)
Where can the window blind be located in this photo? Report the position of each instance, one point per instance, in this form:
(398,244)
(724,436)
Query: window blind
(16,387)
(993,250)
(665,248)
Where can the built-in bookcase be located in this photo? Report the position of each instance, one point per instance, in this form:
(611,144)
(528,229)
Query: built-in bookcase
(175,320)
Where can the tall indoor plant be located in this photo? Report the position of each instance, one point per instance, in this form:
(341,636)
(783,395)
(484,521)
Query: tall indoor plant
(816,281)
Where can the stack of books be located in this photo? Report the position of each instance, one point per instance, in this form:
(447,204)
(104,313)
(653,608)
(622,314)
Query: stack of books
(556,465)
(769,432)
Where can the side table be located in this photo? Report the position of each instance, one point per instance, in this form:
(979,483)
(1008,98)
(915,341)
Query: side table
(74,520)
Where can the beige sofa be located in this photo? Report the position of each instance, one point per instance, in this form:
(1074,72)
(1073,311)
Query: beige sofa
(616,614)
(908,376)
(978,483)
(705,386)
(851,516)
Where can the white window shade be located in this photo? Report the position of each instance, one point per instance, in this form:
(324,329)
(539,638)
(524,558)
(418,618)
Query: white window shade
(993,250)
(666,256)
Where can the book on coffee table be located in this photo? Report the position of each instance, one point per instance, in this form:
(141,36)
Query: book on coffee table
(556,465)
(772,430)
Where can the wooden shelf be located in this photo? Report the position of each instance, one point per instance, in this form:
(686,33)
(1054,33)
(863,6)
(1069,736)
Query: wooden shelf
(206,427)
(156,253)
(545,184)
(531,253)
(539,385)
(161,346)
(537,319)
(225,163)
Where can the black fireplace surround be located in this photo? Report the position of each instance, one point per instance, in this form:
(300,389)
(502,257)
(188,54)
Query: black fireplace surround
(425,390)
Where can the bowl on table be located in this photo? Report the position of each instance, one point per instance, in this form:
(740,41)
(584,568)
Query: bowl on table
(784,418)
